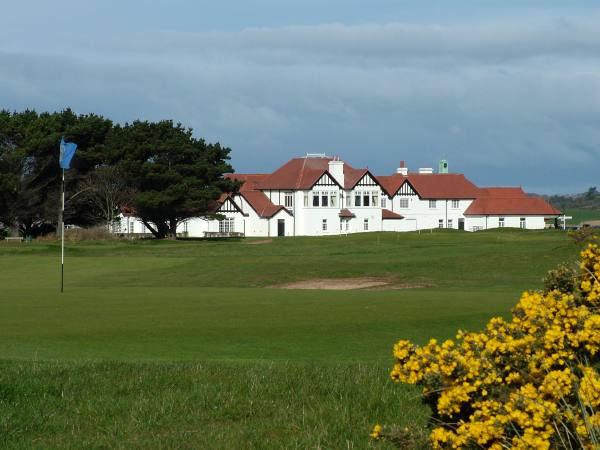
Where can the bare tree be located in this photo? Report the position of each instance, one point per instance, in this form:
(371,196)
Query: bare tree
(107,189)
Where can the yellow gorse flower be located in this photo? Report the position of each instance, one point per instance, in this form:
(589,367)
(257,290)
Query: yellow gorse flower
(521,383)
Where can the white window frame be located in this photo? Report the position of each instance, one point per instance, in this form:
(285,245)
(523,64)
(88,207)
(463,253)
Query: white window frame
(357,199)
(325,199)
(375,198)
(288,199)
(333,199)
(306,199)
(441,223)
(324,225)
(403,202)
(227,225)
(432,204)
(366,225)
(383,201)
(131,227)
(500,222)
(316,195)
(523,223)
(455,204)
(450,223)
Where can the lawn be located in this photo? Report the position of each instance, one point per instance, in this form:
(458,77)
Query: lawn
(191,344)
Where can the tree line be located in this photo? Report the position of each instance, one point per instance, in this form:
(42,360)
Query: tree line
(157,169)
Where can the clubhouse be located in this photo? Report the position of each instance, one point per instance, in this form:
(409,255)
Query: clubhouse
(317,195)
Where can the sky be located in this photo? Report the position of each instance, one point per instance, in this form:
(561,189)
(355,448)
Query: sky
(507,91)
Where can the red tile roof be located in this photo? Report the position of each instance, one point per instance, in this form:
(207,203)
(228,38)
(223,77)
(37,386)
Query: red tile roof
(506,192)
(297,173)
(346,213)
(261,203)
(352,176)
(443,186)
(387,214)
(250,180)
(515,206)
(391,183)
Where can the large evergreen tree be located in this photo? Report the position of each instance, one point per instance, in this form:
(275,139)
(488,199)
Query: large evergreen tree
(173,175)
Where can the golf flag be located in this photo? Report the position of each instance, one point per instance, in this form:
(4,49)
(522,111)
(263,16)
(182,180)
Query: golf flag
(67,150)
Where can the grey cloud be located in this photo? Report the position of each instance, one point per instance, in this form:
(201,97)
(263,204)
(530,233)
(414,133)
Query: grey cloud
(508,103)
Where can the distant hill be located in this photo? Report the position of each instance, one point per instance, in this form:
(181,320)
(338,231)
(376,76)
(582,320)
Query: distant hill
(584,206)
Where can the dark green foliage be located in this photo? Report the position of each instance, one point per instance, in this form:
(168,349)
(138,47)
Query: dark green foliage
(174,176)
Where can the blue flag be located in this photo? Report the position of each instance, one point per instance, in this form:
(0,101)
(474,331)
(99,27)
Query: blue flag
(67,150)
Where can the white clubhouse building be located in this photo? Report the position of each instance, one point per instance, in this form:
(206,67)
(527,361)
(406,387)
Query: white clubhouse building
(318,195)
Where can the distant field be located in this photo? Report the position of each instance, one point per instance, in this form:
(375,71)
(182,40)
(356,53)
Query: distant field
(188,344)
(580,215)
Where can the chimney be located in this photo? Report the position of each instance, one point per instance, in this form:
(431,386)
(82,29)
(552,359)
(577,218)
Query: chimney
(336,169)
(426,170)
(402,170)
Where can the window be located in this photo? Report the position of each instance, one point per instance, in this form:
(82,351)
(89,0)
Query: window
(375,198)
(347,224)
(383,202)
(324,199)
(441,223)
(366,199)
(131,227)
(522,222)
(455,204)
(432,204)
(324,224)
(450,223)
(306,199)
(357,199)
(366,225)
(315,199)
(501,222)
(348,200)
(334,199)
(403,202)
(227,225)
(289,199)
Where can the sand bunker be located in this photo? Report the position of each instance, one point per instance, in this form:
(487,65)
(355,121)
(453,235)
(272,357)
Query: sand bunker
(335,284)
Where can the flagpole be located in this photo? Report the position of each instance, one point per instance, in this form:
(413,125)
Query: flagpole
(62,235)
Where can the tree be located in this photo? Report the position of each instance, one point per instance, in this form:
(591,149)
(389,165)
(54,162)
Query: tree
(107,189)
(30,176)
(174,175)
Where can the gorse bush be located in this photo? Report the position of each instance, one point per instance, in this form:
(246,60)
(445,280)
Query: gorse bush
(530,382)
(563,279)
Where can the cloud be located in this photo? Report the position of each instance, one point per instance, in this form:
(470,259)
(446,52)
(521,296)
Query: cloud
(513,102)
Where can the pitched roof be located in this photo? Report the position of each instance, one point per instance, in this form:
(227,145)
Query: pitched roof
(297,173)
(391,183)
(443,186)
(346,213)
(352,176)
(261,203)
(511,206)
(249,180)
(387,214)
(506,192)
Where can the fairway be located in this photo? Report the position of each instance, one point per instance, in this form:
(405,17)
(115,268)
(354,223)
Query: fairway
(195,321)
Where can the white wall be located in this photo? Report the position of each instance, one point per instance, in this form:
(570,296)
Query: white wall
(475,223)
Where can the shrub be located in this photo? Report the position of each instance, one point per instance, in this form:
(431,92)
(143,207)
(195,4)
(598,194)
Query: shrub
(563,279)
(530,382)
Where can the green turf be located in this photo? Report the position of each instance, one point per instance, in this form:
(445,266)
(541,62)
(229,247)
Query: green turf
(184,344)
(580,215)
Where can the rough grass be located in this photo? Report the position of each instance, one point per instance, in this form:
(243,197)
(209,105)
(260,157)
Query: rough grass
(178,345)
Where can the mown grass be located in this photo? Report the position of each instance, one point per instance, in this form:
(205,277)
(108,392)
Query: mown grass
(181,344)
